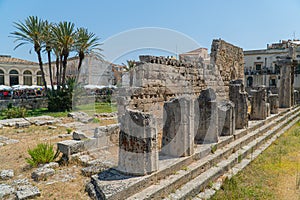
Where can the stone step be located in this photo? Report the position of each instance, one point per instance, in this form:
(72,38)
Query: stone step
(194,186)
(210,191)
(175,172)
(167,185)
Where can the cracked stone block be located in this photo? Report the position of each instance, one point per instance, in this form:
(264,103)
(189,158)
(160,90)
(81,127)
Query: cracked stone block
(79,135)
(7,174)
(22,124)
(91,170)
(138,153)
(11,141)
(19,182)
(206,117)
(274,103)
(52,165)
(2,138)
(27,192)
(6,190)
(259,106)
(42,173)
(69,147)
(178,130)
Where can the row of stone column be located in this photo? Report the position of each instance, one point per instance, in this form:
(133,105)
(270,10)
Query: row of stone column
(187,121)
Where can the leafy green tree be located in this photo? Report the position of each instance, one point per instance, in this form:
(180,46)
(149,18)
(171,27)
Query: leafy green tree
(30,32)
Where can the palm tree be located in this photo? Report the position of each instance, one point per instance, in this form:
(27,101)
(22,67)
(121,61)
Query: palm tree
(64,33)
(86,43)
(30,32)
(48,39)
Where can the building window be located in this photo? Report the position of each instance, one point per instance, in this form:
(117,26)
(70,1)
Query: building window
(39,80)
(249,81)
(27,78)
(1,77)
(258,58)
(13,77)
(272,82)
(277,69)
(258,67)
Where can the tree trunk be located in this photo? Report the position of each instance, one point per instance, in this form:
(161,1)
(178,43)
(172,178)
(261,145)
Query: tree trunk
(81,57)
(50,69)
(64,70)
(42,69)
(57,72)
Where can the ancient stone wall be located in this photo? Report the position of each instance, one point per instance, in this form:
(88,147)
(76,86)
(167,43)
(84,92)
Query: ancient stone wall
(155,80)
(229,60)
(27,103)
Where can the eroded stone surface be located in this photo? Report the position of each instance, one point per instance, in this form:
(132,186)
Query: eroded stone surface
(239,96)
(27,192)
(138,152)
(6,174)
(6,190)
(42,173)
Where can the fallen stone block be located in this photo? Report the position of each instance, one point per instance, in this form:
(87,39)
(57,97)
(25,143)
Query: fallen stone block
(6,190)
(20,182)
(79,135)
(11,141)
(7,174)
(91,170)
(69,147)
(2,138)
(27,192)
(42,173)
(52,165)
(22,124)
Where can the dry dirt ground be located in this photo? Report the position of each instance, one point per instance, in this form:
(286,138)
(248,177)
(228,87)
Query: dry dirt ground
(67,183)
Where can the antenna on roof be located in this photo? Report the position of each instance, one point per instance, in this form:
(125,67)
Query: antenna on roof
(294,35)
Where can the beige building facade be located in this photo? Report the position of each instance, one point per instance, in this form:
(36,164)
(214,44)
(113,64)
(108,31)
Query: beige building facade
(15,71)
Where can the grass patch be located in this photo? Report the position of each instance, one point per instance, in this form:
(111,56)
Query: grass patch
(88,108)
(274,174)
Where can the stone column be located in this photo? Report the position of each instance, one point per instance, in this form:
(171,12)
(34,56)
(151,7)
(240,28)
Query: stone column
(206,117)
(138,154)
(239,96)
(226,115)
(274,104)
(286,87)
(259,110)
(178,130)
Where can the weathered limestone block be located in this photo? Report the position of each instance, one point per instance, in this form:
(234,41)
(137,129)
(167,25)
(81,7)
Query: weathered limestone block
(296,97)
(226,115)
(206,117)
(27,192)
(42,173)
(6,174)
(286,88)
(79,135)
(69,147)
(6,190)
(274,103)
(138,154)
(238,96)
(178,130)
(259,104)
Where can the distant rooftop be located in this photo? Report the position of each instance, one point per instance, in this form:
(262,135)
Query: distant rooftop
(7,59)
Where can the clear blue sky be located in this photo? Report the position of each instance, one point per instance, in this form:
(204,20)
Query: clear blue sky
(249,24)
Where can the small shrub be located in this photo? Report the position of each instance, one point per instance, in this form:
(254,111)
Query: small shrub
(69,130)
(15,112)
(96,120)
(214,148)
(41,154)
